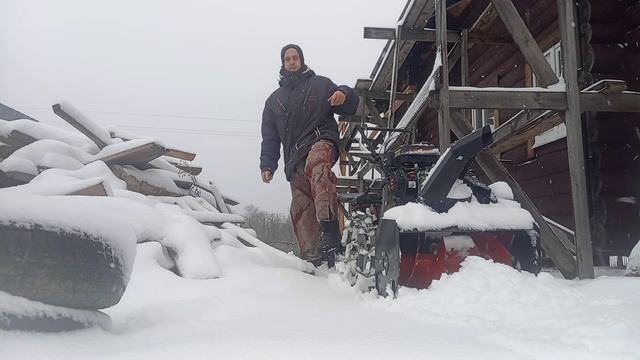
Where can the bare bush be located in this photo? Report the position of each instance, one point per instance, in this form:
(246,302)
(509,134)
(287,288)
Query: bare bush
(274,229)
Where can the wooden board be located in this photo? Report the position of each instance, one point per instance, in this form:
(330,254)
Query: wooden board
(78,125)
(6,150)
(93,190)
(186,167)
(138,155)
(17,139)
(180,154)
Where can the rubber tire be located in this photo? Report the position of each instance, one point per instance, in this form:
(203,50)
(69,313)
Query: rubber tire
(47,323)
(74,270)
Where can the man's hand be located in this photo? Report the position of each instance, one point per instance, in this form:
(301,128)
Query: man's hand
(337,98)
(267,176)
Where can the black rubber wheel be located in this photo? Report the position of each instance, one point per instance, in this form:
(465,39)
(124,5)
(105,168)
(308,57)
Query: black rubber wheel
(46,321)
(56,267)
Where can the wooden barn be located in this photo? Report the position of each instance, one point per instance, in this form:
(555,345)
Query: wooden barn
(557,81)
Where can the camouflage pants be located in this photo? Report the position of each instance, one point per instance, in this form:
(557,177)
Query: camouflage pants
(313,197)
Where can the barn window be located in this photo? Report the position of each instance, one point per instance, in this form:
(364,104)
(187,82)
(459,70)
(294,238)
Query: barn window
(483,117)
(554,57)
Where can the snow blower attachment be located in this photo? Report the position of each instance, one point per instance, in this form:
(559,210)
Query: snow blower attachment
(388,255)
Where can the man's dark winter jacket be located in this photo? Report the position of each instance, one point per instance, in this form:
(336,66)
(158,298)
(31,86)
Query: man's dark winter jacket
(296,115)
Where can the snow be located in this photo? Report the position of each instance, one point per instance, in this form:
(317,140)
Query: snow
(21,307)
(195,261)
(95,129)
(633,266)
(504,215)
(38,130)
(254,311)
(459,243)
(45,153)
(459,190)
(501,190)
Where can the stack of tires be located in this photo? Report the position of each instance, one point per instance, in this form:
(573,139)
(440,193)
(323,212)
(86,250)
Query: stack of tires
(66,275)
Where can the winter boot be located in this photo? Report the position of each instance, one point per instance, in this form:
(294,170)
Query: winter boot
(330,242)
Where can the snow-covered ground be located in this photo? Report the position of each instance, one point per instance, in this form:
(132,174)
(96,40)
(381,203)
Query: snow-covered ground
(258,311)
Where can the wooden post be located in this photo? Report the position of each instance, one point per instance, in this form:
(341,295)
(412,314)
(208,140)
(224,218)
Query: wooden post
(575,145)
(464,58)
(394,78)
(444,131)
(464,65)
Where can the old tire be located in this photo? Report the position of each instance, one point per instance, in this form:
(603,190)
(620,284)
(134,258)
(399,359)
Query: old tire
(21,314)
(56,267)
(44,323)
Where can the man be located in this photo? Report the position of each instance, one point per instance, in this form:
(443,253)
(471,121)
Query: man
(299,116)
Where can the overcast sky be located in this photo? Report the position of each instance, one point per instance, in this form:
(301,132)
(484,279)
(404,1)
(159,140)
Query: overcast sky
(192,73)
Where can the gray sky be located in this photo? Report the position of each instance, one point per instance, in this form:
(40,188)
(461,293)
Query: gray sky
(204,68)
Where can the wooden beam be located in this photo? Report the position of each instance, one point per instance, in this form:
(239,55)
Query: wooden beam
(444,132)
(141,154)
(93,190)
(385,95)
(525,41)
(608,86)
(554,247)
(523,127)
(17,176)
(575,145)
(6,150)
(186,167)
(525,98)
(17,139)
(429,35)
(72,117)
(376,119)
(139,185)
(394,79)
(478,98)
(464,58)
(616,102)
(180,154)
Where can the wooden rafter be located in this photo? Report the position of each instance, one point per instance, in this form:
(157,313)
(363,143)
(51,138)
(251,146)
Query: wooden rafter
(430,35)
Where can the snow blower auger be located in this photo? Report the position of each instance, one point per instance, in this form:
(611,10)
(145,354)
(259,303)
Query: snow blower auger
(414,244)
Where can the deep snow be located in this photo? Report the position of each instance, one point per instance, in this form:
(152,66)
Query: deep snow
(258,311)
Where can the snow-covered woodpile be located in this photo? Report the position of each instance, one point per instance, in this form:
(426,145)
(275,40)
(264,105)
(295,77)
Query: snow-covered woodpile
(120,189)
